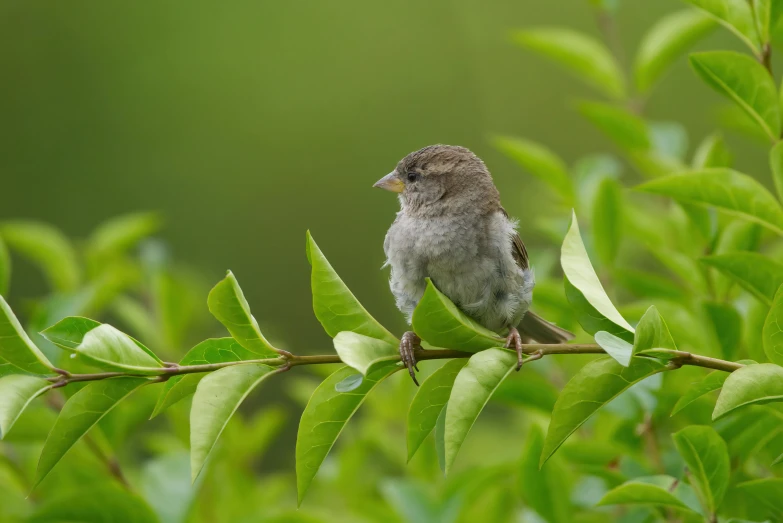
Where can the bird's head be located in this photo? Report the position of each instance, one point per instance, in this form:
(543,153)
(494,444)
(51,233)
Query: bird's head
(439,179)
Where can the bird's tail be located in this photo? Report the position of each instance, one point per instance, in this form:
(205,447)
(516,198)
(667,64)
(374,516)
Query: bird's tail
(537,328)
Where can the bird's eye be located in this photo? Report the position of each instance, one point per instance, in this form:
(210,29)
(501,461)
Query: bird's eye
(412,177)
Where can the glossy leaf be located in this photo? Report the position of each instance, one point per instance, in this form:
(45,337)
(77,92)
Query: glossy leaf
(543,489)
(16,393)
(597,383)
(440,323)
(588,317)
(652,333)
(472,389)
(541,163)
(324,418)
(81,412)
(16,347)
(227,303)
(333,303)
(102,345)
(650,490)
(430,400)
(581,275)
(363,353)
(744,81)
(728,190)
(586,58)
(217,397)
(352,382)
(608,220)
(735,15)
(713,381)
(772,334)
(46,247)
(752,384)
(756,273)
(776,165)
(768,492)
(666,41)
(5,268)
(219,350)
(707,457)
(619,349)
(626,130)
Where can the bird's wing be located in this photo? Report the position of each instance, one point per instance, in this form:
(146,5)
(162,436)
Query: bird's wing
(518,249)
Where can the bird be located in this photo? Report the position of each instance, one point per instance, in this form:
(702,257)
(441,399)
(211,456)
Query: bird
(452,229)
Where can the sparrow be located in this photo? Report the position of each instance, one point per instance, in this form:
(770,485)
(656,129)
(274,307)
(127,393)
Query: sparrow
(452,229)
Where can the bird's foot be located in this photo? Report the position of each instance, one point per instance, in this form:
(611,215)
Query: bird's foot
(408,344)
(514,340)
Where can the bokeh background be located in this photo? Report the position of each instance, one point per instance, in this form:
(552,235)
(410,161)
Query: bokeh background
(246,123)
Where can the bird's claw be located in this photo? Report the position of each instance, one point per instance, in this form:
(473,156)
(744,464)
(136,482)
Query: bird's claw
(408,345)
(514,340)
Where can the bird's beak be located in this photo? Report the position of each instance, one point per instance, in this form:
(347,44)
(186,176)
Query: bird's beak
(390,182)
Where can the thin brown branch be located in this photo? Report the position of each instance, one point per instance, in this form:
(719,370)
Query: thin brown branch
(679,359)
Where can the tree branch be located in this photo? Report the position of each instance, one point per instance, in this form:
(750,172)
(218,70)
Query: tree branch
(284,362)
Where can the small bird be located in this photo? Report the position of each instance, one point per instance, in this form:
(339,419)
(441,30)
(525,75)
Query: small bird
(452,229)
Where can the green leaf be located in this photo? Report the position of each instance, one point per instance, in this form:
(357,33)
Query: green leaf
(608,220)
(472,389)
(543,489)
(46,247)
(648,285)
(712,152)
(756,273)
(103,346)
(5,269)
(727,324)
(363,353)
(227,303)
(440,323)
(333,303)
(776,165)
(650,490)
(712,381)
(626,130)
(773,330)
(83,410)
(219,350)
(581,275)
(352,382)
(16,347)
(217,397)
(735,15)
(652,333)
(768,492)
(585,57)
(429,401)
(707,457)
(745,81)
(541,163)
(119,234)
(104,503)
(324,418)
(588,317)
(730,191)
(666,41)
(752,384)
(440,439)
(16,393)
(619,349)
(597,383)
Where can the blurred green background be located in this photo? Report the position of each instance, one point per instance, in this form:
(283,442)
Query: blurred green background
(246,123)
